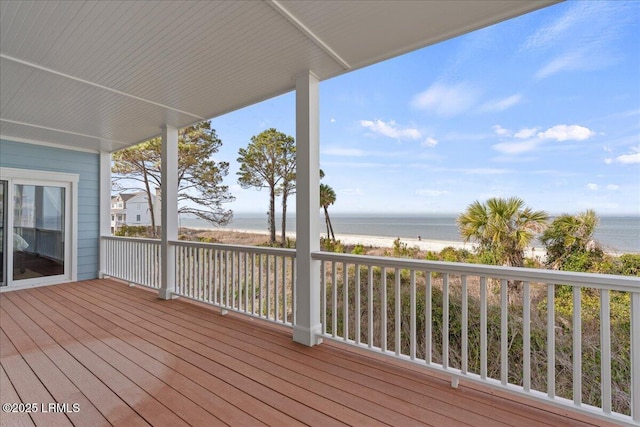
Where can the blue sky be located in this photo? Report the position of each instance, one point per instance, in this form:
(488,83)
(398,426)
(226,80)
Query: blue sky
(545,107)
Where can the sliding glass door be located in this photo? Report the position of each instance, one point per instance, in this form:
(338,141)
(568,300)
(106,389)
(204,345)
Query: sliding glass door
(3,235)
(37,227)
(39,224)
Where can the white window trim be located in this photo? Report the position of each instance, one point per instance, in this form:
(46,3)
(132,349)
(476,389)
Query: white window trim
(38,177)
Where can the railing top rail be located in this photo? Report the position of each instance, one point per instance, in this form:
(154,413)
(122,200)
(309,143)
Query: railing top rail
(131,239)
(240,248)
(601,281)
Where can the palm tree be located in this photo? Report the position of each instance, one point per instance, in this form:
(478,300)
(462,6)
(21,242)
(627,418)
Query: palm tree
(569,235)
(327,198)
(503,226)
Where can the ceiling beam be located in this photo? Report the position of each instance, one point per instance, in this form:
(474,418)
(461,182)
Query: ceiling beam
(307,32)
(99,138)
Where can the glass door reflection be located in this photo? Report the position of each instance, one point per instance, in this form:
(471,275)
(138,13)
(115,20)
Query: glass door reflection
(38,231)
(3,235)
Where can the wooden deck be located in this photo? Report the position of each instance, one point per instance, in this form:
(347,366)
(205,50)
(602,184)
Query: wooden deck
(127,358)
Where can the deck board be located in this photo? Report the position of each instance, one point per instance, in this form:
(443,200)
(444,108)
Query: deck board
(260,367)
(278,356)
(165,396)
(176,375)
(129,358)
(61,388)
(172,345)
(145,404)
(9,394)
(105,400)
(27,384)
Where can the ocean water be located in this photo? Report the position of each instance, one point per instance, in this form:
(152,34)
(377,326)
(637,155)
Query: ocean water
(615,233)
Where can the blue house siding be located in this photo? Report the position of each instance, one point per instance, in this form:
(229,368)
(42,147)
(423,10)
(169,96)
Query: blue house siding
(87,165)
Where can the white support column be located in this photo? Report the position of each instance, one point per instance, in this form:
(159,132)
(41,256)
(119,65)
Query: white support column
(307,304)
(105,208)
(169,210)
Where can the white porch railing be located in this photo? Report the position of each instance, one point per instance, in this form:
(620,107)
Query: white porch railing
(486,324)
(256,281)
(470,320)
(132,259)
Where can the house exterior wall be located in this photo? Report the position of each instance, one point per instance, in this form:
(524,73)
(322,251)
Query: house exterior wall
(87,165)
(133,209)
(138,207)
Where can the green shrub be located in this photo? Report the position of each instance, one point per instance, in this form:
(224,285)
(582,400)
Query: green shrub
(358,250)
(402,250)
(450,254)
(432,256)
(329,245)
(133,231)
(487,257)
(579,261)
(207,239)
(630,264)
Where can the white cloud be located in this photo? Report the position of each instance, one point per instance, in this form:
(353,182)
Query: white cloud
(431,193)
(610,187)
(500,131)
(629,159)
(430,142)
(565,62)
(566,133)
(529,139)
(553,172)
(570,40)
(521,134)
(390,129)
(446,100)
(332,120)
(485,171)
(526,133)
(508,158)
(516,147)
(550,33)
(501,104)
(626,159)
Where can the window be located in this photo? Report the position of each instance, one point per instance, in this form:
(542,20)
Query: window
(137,218)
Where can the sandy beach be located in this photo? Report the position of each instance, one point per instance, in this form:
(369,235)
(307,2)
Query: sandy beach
(387,242)
(422,244)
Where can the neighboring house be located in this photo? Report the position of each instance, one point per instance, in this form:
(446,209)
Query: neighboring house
(133,209)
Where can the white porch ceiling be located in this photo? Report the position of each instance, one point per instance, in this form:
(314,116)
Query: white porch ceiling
(108,74)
